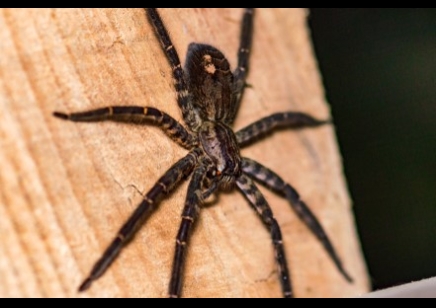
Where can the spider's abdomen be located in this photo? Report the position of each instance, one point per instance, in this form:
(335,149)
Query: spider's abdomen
(219,143)
(210,82)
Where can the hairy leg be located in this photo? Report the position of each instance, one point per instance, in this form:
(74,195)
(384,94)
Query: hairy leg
(260,205)
(271,180)
(246,38)
(189,215)
(165,184)
(136,115)
(268,124)
(190,115)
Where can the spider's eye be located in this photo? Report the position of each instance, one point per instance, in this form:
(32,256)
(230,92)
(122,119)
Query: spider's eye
(212,173)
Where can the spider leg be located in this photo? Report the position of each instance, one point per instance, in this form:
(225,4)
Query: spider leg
(271,180)
(137,115)
(190,213)
(190,115)
(244,50)
(276,120)
(164,185)
(260,205)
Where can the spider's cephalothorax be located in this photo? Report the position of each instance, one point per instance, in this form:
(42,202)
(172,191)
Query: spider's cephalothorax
(209,94)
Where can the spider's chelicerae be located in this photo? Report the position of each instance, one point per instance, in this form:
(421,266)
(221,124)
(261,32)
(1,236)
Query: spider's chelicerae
(209,95)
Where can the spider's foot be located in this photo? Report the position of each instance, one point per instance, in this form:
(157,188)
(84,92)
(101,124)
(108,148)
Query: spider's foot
(61,115)
(85,285)
(346,275)
(316,122)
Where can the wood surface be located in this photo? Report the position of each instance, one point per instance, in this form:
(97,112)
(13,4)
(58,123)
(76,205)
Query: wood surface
(66,188)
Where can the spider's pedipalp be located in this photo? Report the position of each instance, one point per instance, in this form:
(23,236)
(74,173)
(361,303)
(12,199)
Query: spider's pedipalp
(260,205)
(277,120)
(165,184)
(271,180)
(135,115)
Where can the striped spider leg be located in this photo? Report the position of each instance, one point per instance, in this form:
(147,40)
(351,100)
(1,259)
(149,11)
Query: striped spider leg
(164,185)
(274,182)
(209,95)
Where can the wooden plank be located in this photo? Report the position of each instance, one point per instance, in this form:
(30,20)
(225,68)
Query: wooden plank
(66,188)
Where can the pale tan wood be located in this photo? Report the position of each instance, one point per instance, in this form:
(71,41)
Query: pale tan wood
(66,188)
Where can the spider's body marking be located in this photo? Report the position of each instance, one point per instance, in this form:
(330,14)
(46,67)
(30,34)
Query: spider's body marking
(209,67)
(210,79)
(209,95)
(219,143)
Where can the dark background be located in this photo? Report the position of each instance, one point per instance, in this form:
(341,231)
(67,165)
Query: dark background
(379,70)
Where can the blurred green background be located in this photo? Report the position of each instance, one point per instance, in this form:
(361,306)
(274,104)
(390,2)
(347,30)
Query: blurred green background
(379,70)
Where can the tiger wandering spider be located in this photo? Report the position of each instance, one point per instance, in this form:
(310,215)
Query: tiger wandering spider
(209,95)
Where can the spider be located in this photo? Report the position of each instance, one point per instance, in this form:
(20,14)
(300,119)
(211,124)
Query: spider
(209,95)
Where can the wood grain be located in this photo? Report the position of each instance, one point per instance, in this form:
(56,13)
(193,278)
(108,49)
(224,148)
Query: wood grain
(66,188)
